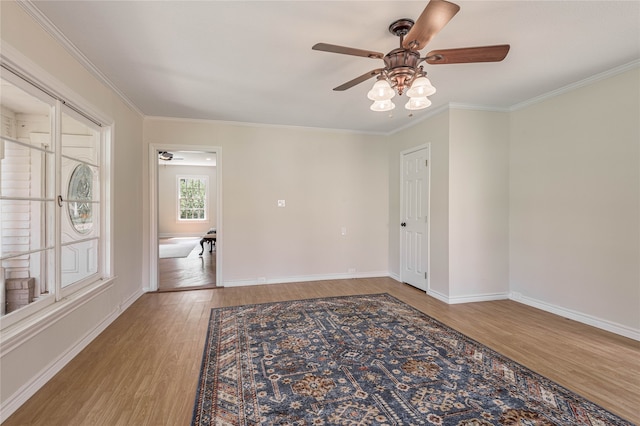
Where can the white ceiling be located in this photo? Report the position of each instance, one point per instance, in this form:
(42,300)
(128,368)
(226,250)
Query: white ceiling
(251,61)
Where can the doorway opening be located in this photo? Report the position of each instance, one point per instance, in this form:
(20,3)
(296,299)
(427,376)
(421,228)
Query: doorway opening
(185,228)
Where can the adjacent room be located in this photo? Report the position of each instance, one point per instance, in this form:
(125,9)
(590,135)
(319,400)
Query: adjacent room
(186,193)
(233,212)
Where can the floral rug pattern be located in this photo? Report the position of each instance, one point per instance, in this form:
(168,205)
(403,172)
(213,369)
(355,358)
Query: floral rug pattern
(367,360)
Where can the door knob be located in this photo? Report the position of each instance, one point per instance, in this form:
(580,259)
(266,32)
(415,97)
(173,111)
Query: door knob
(403,224)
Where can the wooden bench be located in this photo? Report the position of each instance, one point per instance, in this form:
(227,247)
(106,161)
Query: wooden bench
(209,237)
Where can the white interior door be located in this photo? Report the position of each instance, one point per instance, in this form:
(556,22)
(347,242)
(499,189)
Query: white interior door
(414,205)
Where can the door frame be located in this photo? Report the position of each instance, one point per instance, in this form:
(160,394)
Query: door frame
(426,146)
(153,207)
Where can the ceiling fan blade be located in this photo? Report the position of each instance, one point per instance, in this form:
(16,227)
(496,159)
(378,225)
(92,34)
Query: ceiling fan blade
(324,47)
(466,55)
(364,77)
(433,18)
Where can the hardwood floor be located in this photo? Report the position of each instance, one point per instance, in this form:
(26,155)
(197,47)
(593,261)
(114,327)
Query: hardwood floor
(191,272)
(143,369)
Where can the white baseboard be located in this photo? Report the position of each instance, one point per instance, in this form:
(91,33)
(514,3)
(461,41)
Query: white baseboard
(26,391)
(188,235)
(304,278)
(458,299)
(131,299)
(437,295)
(453,300)
(487,297)
(603,324)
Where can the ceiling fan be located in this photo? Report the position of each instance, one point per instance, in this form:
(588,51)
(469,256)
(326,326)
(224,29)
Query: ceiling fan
(167,156)
(402,70)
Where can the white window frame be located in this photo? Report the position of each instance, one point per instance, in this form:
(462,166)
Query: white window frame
(204,178)
(19,324)
(49,299)
(74,287)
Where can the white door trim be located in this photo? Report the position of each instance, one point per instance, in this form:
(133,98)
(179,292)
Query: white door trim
(153,207)
(426,146)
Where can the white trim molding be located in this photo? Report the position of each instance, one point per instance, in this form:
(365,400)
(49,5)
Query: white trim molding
(15,336)
(26,391)
(454,300)
(262,125)
(584,82)
(153,149)
(395,276)
(181,235)
(33,11)
(622,330)
(304,278)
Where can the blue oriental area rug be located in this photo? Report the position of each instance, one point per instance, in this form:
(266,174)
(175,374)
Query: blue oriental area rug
(367,360)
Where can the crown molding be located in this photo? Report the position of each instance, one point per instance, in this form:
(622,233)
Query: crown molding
(545,96)
(57,35)
(578,84)
(261,125)
(424,117)
(456,105)
(448,107)
(15,62)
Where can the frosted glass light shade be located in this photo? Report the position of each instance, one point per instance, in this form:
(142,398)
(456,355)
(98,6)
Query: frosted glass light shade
(385,105)
(381,91)
(418,103)
(420,88)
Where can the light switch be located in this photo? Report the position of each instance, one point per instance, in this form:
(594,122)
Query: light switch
(343,230)
(281,203)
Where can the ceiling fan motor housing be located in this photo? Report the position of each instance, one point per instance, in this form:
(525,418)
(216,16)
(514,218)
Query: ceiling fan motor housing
(401,65)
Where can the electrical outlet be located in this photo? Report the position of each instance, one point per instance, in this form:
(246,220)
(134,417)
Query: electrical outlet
(351,270)
(281,203)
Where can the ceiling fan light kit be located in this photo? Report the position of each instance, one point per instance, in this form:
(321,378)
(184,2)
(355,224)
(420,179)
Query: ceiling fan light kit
(381,106)
(402,70)
(417,103)
(381,91)
(421,87)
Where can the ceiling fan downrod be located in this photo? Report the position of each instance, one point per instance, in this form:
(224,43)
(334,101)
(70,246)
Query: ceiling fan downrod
(401,64)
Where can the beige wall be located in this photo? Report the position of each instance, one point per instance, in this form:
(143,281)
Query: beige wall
(435,132)
(574,201)
(168,224)
(478,205)
(468,202)
(44,352)
(329,180)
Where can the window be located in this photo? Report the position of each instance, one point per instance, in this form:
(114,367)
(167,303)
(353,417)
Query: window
(52,180)
(192,198)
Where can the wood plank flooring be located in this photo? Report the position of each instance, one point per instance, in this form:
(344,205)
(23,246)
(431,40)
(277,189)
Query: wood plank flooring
(191,272)
(143,369)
